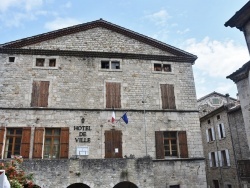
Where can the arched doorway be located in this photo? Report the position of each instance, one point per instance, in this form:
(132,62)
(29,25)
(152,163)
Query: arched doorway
(78,185)
(125,184)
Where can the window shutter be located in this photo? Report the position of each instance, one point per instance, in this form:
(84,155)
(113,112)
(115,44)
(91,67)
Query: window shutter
(223,130)
(219,155)
(35,94)
(44,94)
(228,158)
(64,143)
(113,95)
(219,133)
(216,158)
(159,145)
(2,131)
(207,135)
(38,142)
(117,143)
(210,159)
(182,136)
(108,144)
(40,94)
(213,133)
(25,143)
(167,96)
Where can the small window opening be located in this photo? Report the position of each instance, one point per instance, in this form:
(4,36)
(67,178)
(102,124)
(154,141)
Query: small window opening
(52,62)
(218,117)
(166,68)
(174,186)
(208,121)
(157,67)
(216,101)
(11,59)
(115,65)
(105,64)
(40,62)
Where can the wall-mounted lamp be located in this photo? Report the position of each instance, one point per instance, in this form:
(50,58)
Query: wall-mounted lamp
(82,120)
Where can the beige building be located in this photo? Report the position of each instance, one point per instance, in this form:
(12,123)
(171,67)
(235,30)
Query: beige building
(224,139)
(59,91)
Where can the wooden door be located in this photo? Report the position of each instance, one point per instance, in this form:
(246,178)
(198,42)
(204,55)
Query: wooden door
(113,144)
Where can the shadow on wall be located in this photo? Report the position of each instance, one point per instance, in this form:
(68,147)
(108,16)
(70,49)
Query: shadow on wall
(125,184)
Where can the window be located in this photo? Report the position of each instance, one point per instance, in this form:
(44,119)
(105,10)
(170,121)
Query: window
(218,117)
(11,59)
(40,62)
(45,62)
(221,131)
(171,144)
(162,67)
(51,143)
(174,186)
(114,65)
(40,94)
(167,96)
(52,62)
(208,121)
(210,134)
(213,159)
(113,95)
(17,142)
(216,101)
(228,186)
(224,158)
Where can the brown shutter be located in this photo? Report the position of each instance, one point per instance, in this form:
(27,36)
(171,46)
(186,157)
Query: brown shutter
(2,131)
(159,145)
(182,136)
(35,94)
(108,144)
(44,94)
(38,142)
(117,143)
(113,95)
(25,143)
(40,94)
(168,97)
(64,143)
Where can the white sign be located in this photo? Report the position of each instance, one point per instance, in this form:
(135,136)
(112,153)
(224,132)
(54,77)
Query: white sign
(82,150)
(116,150)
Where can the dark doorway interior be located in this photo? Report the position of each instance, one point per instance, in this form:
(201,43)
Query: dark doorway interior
(125,184)
(78,185)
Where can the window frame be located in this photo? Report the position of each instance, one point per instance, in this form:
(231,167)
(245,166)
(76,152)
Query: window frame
(210,134)
(47,60)
(161,66)
(221,131)
(110,61)
(213,159)
(52,137)
(224,158)
(11,58)
(14,137)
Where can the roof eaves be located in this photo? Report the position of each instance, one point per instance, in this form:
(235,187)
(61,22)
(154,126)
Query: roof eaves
(241,73)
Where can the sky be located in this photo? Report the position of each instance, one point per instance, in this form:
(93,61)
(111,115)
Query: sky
(195,26)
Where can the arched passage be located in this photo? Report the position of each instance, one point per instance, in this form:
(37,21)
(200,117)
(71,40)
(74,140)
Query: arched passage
(125,184)
(78,185)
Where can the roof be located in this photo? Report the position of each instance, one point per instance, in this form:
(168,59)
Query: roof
(215,93)
(98,23)
(240,17)
(241,73)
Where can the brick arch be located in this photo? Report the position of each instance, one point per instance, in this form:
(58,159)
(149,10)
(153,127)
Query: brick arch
(78,185)
(125,184)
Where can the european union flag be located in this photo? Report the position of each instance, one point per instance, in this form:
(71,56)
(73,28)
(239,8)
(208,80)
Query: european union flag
(125,118)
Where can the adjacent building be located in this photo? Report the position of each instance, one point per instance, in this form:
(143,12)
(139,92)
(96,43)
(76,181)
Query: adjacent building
(224,139)
(60,91)
(241,20)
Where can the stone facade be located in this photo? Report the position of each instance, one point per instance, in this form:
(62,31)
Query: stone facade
(77,99)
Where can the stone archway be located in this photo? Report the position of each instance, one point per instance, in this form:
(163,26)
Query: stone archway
(125,184)
(78,185)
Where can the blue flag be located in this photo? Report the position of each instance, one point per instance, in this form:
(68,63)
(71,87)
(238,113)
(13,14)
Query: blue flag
(125,118)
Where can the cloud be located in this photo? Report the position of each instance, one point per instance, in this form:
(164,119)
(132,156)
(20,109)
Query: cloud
(184,31)
(216,58)
(22,4)
(159,18)
(59,23)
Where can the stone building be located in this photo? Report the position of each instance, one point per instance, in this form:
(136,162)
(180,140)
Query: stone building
(59,91)
(241,20)
(224,139)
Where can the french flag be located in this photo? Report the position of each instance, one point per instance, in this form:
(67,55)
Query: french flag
(113,117)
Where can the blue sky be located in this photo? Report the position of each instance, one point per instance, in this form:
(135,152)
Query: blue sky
(195,26)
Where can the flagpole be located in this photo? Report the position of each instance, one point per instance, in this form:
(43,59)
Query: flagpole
(145,124)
